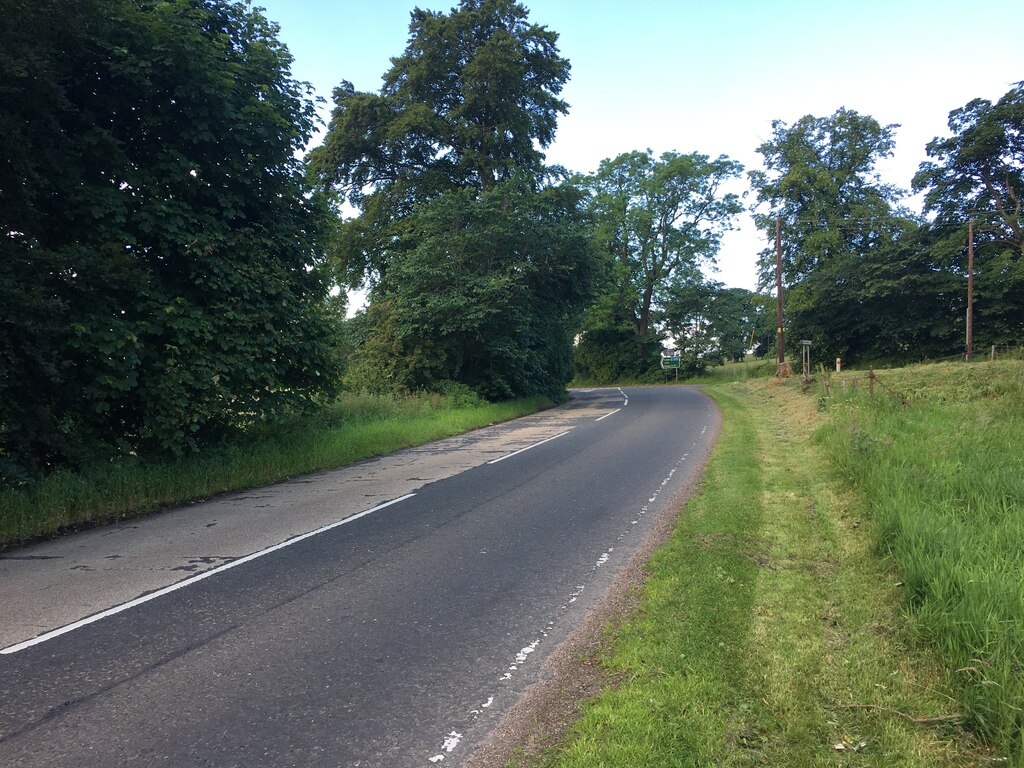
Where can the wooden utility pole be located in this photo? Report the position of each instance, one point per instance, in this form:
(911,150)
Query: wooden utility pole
(970,290)
(782,368)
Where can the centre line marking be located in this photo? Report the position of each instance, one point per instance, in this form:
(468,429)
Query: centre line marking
(608,414)
(192,580)
(516,453)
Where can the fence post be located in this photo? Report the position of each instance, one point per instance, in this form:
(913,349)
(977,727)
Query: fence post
(993,351)
(871,382)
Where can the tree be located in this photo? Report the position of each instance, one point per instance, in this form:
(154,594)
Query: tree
(488,297)
(978,173)
(656,219)
(820,180)
(836,216)
(478,264)
(711,323)
(161,273)
(469,105)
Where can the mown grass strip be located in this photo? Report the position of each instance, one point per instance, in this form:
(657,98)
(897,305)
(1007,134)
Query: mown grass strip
(768,633)
(680,653)
(353,429)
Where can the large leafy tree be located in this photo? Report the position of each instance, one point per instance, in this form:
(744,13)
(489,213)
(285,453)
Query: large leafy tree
(161,269)
(489,296)
(715,323)
(837,217)
(470,104)
(978,173)
(820,181)
(657,220)
(478,264)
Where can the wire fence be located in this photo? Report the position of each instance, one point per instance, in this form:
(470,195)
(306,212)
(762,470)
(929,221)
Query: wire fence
(870,381)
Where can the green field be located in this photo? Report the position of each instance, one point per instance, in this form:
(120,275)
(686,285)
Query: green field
(847,589)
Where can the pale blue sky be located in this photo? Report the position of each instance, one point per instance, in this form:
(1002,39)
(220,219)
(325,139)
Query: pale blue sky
(711,76)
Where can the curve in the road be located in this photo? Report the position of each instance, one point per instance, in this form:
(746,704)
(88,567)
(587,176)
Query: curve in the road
(397,639)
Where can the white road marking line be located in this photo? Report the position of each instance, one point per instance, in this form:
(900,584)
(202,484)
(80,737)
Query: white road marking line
(192,580)
(449,745)
(521,657)
(516,453)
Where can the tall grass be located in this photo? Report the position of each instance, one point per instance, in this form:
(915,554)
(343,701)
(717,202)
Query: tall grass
(354,428)
(944,479)
(767,633)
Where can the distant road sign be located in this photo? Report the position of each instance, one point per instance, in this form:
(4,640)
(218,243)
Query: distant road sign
(670,362)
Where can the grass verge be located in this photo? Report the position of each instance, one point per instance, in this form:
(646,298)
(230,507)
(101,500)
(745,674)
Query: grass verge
(769,632)
(354,428)
(937,457)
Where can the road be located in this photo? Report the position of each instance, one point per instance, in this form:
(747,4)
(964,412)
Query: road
(395,636)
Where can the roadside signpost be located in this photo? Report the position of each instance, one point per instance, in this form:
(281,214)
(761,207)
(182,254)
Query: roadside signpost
(670,360)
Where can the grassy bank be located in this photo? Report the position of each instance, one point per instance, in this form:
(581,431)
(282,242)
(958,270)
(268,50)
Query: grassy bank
(938,457)
(354,428)
(770,632)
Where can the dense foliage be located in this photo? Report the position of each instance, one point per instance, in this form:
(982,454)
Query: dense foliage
(160,269)
(478,265)
(978,173)
(849,252)
(656,221)
(710,324)
(488,297)
(867,281)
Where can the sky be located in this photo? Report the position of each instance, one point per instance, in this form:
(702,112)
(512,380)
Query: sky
(710,76)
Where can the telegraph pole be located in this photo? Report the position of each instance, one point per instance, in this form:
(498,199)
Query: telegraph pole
(782,369)
(970,290)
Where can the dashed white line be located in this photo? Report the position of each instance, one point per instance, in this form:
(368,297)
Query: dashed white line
(516,453)
(193,579)
(521,657)
(449,745)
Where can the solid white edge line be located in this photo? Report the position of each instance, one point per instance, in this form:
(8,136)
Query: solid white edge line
(516,453)
(607,414)
(192,580)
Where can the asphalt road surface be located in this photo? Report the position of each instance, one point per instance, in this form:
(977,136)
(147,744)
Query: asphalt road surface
(397,634)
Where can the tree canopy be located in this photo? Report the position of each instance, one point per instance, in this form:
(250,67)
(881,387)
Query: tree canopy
(656,221)
(468,105)
(478,261)
(841,231)
(489,296)
(820,180)
(977,174)
(161,273)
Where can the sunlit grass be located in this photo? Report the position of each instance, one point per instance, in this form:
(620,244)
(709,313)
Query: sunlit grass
(944,480)
(355,428)
(769,632)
